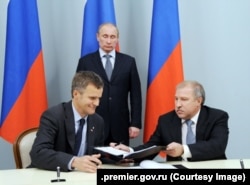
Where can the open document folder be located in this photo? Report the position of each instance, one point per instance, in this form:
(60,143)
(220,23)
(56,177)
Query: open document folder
(119,155)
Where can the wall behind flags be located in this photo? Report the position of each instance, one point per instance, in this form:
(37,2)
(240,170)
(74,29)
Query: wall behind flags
(215,36)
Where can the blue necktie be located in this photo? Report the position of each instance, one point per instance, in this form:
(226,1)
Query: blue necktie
(108,66)
(78,137)
(190,135)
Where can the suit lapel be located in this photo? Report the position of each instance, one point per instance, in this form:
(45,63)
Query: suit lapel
(178,128)
(90,134)
(201,124)
(98,65)
(69,124)
(119,65)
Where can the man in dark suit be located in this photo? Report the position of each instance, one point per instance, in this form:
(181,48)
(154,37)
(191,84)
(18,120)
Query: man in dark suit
(210,127)
(56,138)
(122,122)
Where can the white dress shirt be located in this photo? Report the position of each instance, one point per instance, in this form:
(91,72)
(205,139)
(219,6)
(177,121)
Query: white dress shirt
(104,59)
(187,154)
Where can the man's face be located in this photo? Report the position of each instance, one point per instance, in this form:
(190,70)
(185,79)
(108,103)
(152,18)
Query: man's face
(186,104)
(107,38)
(87,100)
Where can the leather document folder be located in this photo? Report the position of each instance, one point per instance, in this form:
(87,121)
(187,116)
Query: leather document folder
(120,155)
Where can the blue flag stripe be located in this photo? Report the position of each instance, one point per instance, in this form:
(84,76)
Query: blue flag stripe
(96,12)
(164,18)
(19,59)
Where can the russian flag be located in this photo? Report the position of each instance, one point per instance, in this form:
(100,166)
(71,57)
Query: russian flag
(96,12)
(24,88)
(165,63)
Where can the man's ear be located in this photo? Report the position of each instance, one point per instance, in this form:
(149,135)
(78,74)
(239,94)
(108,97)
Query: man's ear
(200,100)
(97,37)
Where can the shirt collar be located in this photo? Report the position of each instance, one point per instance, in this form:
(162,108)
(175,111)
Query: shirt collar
(102,53)
(77,116)
(194,118)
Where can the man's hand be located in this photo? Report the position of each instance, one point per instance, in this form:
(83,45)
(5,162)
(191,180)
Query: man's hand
(120,146)
(133,132)
(174,149)
(87,163)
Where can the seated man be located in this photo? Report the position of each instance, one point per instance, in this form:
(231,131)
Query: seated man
(208,135)
(56,141)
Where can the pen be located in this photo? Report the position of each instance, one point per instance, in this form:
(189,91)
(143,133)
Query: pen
(242,164)
(96,163)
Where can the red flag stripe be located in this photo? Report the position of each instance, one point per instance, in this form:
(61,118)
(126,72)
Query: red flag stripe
(160,95)
(32,101)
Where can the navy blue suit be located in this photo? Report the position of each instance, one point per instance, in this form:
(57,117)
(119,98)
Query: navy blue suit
(114,104)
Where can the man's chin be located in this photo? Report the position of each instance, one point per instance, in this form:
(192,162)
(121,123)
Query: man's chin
(182,116)
(91,112)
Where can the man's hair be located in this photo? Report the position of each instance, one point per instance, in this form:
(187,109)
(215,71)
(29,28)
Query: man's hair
(197,88)
(108,24)
(83,78)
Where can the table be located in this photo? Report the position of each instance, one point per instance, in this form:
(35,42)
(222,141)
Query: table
(33,176)
(211,164)
(216,164)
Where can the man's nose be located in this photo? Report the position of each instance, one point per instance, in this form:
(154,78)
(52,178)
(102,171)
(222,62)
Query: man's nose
(177,103)
(97,102)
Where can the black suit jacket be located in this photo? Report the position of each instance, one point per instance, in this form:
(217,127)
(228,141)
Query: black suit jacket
(54,144)
(114,104)
(211,134)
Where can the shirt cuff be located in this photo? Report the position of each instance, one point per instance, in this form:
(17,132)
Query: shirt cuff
(186,153)
(131,149)
(70,164)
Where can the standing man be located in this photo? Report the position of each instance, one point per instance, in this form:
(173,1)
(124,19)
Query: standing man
(123,82)
(69,130)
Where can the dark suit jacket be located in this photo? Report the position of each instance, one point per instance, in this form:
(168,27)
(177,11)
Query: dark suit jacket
(55,139)
(114,104)
(211,134)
